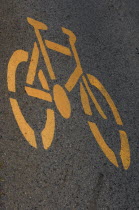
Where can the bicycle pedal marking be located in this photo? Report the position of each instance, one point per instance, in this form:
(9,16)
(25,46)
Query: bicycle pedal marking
(60,95)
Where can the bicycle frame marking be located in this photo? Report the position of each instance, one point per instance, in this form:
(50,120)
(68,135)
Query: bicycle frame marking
(60,96)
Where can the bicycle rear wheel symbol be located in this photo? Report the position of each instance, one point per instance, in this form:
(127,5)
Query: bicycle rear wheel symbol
(60,96)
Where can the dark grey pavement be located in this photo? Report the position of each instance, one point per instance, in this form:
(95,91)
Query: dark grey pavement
(73,173)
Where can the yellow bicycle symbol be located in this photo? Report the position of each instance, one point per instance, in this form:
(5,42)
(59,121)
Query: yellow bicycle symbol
(60,95)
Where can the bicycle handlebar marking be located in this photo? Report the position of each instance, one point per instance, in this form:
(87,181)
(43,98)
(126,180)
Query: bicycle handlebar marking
(59,96)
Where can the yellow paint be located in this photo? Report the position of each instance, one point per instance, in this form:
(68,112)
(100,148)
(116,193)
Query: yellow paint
(43,80)
(98,107)
(85,100)
(101,142)
(74,77)
(16,58)
(25,128)
(59,94)
(57,47)
(33,65)
(72,81)
(125,150)
(38,94)
(49,129)
(62,102)
(94,81)
(37,26)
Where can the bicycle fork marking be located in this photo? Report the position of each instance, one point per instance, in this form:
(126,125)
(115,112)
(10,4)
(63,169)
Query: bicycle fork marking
(60,94)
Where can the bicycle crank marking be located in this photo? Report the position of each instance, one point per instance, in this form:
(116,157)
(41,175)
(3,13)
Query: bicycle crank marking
(59,96)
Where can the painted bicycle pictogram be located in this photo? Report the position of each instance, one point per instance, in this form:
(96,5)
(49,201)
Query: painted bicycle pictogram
(60,96)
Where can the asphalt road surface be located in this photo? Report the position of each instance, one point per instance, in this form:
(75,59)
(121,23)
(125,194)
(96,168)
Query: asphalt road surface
(76,168)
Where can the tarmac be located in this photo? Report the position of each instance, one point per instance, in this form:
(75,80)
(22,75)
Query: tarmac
(74,172)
